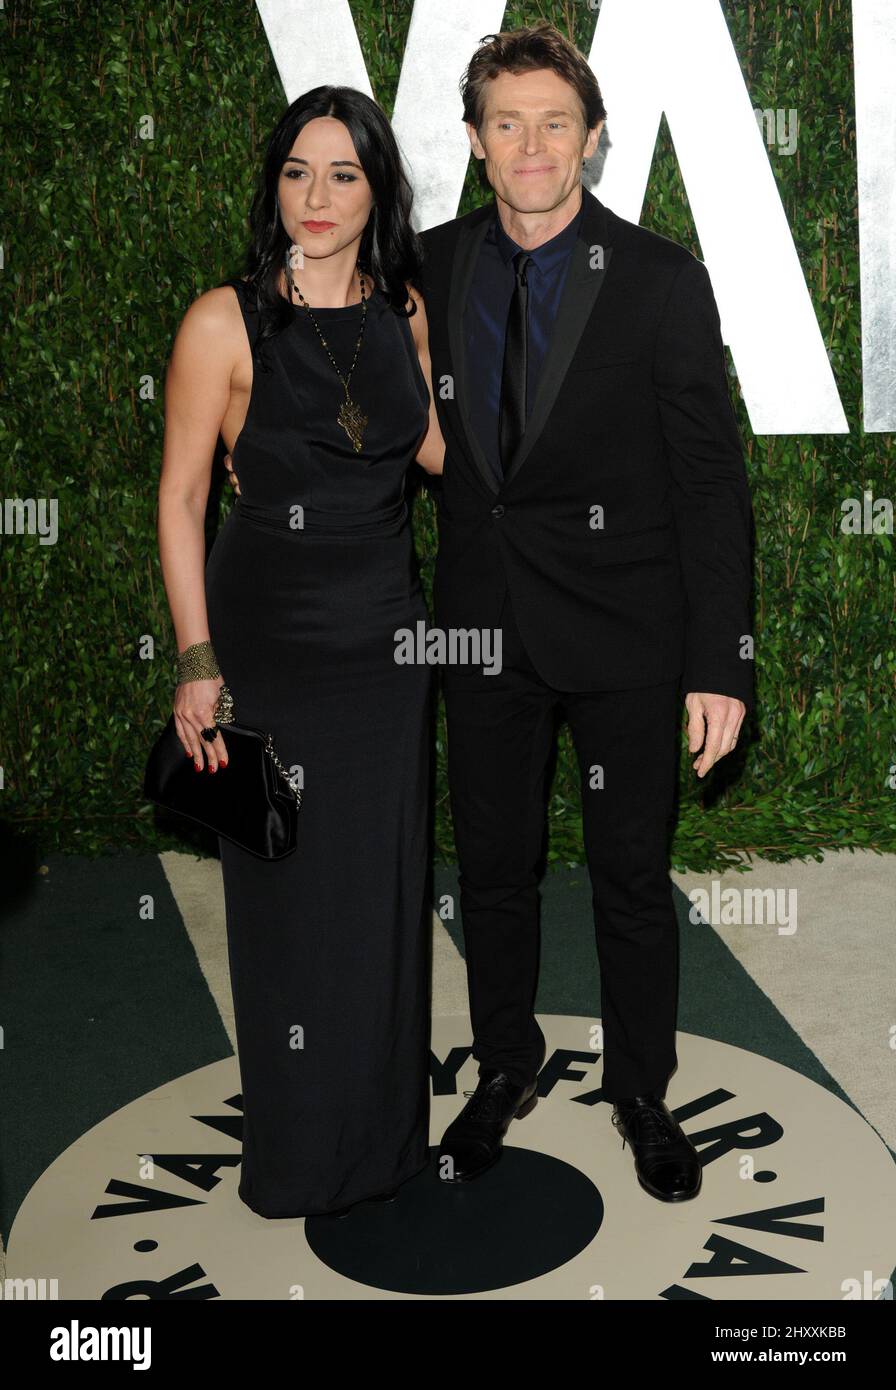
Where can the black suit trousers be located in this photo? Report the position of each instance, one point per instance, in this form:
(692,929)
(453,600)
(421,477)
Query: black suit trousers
(500,736)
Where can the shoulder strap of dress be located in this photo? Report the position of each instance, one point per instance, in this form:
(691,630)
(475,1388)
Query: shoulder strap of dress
(245,293)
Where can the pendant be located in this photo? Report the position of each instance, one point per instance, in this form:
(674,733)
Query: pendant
(352,419)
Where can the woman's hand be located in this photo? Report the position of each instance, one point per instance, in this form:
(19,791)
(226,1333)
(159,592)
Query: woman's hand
(194,710)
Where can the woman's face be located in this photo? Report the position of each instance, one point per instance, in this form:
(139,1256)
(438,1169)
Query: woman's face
(325,198)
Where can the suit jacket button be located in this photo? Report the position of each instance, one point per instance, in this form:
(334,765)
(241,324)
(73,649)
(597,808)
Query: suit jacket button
(498,511)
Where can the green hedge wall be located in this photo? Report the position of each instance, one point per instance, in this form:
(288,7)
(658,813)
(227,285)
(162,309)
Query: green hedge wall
(107,237)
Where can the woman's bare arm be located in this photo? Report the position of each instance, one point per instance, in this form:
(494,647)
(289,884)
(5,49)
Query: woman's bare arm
(197,396)
(431,454)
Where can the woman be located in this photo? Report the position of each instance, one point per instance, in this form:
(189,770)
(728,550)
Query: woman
(314,370)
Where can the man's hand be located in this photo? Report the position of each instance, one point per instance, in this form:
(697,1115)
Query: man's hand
(231,476)
(715,719)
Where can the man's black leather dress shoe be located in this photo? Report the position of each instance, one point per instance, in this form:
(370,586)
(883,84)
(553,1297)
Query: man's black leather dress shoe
(473,1142)
(666,1161)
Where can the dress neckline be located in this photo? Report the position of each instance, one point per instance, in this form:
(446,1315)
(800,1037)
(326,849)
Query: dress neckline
(331,310)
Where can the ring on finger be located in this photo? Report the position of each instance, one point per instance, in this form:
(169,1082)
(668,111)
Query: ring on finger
(211,733)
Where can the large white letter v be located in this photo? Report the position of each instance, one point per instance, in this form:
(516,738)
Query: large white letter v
(649,57)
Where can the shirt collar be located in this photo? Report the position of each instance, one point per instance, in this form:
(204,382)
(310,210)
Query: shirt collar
(544,257)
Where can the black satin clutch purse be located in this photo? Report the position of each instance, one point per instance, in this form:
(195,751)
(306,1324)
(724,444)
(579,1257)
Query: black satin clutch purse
(252,802)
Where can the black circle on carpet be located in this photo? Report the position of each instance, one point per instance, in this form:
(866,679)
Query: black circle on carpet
(529,1214)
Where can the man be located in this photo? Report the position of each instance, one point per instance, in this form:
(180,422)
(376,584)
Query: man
(593,507)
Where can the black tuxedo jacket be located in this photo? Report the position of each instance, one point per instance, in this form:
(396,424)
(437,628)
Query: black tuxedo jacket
(623,525)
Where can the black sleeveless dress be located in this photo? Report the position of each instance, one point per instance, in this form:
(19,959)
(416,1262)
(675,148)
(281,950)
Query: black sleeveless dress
(308,584)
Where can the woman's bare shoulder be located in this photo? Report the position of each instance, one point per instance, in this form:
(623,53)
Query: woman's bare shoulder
(213,324)
(417,312)
(414,296)
(215,310)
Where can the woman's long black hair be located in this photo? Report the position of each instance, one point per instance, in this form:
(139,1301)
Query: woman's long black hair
(390,251)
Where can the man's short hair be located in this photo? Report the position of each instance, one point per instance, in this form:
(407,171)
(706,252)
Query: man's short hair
(539,45)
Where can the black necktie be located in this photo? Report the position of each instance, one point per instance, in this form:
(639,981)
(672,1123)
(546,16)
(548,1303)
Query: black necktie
(512,416)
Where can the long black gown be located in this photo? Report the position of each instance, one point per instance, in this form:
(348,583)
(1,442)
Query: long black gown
(329,947)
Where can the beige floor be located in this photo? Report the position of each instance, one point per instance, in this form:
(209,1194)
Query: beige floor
(834,978)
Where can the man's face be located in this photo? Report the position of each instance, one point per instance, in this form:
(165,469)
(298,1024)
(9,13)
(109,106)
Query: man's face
(533,139)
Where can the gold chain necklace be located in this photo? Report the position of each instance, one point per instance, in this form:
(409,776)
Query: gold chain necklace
(351,417)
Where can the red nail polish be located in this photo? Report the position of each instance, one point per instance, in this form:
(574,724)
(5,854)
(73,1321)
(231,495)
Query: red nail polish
(213,769)
(223,762)
(197,767)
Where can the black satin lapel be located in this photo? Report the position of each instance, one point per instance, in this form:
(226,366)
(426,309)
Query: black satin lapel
(465,254)
(584,282)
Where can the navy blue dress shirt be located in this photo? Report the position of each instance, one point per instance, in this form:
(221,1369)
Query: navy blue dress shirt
(485,321)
